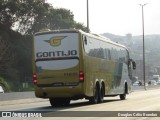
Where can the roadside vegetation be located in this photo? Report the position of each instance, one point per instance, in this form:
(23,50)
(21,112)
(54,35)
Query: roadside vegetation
(19,20)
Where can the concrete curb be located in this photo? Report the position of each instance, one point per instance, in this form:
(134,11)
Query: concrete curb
(16,95)
(19,98)
(20,101)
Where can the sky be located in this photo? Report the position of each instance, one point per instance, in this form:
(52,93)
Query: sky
(118,17)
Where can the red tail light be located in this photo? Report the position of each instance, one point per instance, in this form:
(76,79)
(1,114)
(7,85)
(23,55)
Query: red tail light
(81,76)
(35,78)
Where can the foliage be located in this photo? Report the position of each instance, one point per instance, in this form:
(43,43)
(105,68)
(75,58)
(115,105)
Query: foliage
(56,19)
(5,85)
(6,51)
(26,17)
(29,16)
(21,13)
(15,57)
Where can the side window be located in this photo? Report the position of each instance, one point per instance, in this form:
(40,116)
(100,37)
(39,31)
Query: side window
(101,49)
(96,48)
(109,54)
(107,51)
(106,54)
(127,56)
(123,56)
(116,53)
(112,53)
(86,44)
(92,49)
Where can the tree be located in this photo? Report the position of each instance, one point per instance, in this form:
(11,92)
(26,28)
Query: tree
(6,18)
(20,14)
(80,26)
(29,16)
(6,55)
(26,17)
(56,19)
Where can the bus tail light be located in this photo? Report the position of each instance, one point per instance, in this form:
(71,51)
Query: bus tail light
(35,78)
(81,76)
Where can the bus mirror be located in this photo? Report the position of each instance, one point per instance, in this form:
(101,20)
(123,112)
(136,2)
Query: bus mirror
(85,40)
(134,65)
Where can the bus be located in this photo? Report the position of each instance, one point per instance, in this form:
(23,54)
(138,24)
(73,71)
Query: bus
(72,64)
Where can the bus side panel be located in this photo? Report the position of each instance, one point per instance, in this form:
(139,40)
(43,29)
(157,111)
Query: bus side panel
(98,70)
(120,77)
(126,78)
(111,68)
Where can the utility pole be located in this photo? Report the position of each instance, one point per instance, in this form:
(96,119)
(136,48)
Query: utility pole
(87,16)
(144,74)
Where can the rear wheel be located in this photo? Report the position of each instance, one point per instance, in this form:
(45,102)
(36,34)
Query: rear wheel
(95,97)
(59,101)
(101,94)
(123,96)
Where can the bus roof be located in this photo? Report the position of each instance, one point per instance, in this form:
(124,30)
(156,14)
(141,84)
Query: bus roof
(102,38)
(57,31)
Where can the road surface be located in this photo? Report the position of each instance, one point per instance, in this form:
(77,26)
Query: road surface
(136,104)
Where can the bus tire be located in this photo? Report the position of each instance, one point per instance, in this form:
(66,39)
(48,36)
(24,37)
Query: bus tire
(66,102)
(123,96)
(101,94)
(95,98)
(59,101)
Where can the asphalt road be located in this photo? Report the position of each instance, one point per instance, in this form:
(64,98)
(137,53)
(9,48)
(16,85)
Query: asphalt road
(137,103)
(29,95)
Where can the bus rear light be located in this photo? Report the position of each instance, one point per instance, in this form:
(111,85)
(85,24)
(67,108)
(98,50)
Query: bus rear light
(81,76)
(34,75)
(35,81)
(81,79)
(35,78)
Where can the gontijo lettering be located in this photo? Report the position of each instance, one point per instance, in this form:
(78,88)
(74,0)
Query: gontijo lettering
(56,53)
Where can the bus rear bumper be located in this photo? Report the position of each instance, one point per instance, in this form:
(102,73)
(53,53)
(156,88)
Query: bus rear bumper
(72,92)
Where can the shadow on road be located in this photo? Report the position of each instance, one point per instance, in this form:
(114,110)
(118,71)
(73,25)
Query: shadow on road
(66,111)
(66,108)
